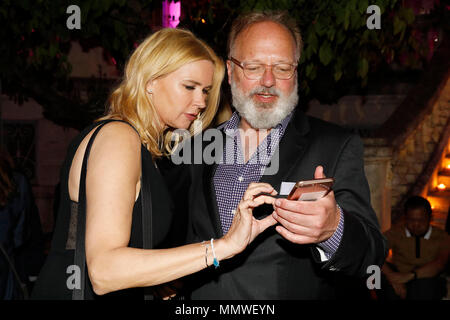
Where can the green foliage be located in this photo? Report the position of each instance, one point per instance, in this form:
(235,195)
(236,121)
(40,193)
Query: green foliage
(34,63)
(325,53)
(339,50)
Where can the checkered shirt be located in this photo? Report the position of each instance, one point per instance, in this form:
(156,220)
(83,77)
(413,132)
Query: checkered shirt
(233,175)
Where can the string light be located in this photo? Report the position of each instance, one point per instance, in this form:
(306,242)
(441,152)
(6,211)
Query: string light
(433,205)
(441,186)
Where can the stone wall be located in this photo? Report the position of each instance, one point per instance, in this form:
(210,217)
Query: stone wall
(410,128)
(356,111)
(411,157)
(378,169)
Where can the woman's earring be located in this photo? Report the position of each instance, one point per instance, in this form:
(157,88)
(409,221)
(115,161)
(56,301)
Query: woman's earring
(149,91)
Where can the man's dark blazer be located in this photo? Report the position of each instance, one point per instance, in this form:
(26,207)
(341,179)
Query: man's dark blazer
(272,267)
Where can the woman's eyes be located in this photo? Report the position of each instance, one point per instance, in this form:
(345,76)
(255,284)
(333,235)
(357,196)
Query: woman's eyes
(205,91)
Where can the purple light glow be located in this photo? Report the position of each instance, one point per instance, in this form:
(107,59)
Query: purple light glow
(171,13)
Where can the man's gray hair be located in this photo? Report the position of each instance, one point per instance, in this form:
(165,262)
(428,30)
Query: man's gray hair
(283,18)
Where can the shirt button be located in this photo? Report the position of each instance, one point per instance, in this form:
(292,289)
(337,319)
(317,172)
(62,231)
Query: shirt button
(233,212)
(241,179)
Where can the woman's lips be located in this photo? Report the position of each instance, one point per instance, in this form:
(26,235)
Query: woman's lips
(191,116)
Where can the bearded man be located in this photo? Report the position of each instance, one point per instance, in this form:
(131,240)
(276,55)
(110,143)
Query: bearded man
(313,241)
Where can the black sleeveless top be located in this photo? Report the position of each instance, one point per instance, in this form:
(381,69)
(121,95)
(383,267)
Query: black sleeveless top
(52,281)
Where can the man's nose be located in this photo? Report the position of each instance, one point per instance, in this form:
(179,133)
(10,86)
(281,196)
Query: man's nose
(268,79)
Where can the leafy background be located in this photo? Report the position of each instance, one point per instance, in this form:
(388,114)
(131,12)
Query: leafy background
(340,53)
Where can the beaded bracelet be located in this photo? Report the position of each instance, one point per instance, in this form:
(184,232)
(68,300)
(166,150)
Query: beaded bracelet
(215,261)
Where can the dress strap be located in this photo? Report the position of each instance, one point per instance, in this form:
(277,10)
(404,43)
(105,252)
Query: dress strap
(80,253)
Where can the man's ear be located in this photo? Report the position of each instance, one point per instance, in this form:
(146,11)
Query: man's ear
(229,66)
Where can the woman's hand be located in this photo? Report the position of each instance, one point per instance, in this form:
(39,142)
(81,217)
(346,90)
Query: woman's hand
(167,291)
(245,228)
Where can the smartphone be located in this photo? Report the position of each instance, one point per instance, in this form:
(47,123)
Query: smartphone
(311,190)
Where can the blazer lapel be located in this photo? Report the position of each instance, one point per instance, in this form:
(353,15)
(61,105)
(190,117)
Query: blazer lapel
(290,150)
(210,191)
(210,198)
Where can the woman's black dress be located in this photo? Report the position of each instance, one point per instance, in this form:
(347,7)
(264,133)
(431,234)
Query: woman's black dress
(53,280)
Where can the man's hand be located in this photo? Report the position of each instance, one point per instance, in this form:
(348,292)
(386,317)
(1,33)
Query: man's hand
(398,282)
(400,289)
(400,277)
(306,222)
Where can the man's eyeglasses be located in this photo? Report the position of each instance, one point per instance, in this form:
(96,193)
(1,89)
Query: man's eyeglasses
(254,71)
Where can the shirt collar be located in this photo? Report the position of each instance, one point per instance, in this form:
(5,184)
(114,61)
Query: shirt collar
(426,236)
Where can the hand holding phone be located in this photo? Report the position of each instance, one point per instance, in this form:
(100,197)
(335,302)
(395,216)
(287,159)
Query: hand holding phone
(311,190)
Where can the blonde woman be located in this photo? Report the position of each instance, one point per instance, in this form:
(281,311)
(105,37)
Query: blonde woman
(170,80)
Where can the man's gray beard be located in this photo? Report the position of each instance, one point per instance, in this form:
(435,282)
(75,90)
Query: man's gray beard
(263,115)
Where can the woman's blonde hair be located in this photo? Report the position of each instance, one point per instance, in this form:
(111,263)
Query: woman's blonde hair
(158,55)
